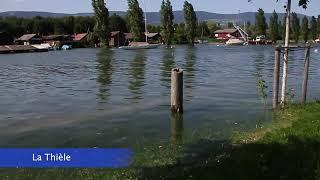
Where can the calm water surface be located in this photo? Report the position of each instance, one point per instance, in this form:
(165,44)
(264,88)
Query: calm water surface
(118,98)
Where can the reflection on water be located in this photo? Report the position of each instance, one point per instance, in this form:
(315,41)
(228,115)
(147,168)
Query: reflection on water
(168,63)
(190,70)
(114,98)
(136,74)
(176,128)
(104,73)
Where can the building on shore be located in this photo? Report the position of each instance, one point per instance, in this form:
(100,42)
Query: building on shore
(226,34)
(129,37)
(29,39)
(153,38)
(5,39)
(81,37)
(56,40)
(117,39)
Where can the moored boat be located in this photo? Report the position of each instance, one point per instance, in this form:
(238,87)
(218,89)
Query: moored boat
(144,46)
(235,42)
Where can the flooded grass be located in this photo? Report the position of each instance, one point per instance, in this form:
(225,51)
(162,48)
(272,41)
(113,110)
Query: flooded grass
(287,148)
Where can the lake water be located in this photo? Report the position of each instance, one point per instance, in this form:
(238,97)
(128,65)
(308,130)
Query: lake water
(118,98)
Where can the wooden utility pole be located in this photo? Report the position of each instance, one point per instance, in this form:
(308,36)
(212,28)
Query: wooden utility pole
(276,78)
(305,76)
(177,90)
(286,56)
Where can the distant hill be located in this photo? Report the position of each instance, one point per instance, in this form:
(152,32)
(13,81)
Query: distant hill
(154,17)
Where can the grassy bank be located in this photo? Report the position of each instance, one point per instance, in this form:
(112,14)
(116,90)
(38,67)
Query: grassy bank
(287,148)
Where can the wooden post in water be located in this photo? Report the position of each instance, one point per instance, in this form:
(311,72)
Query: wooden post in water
(177,90)
(276,78)
(305,76)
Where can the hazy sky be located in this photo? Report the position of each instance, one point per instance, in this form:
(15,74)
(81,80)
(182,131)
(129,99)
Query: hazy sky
(217,6)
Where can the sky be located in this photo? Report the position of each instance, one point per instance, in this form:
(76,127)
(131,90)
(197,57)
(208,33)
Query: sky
(216,6)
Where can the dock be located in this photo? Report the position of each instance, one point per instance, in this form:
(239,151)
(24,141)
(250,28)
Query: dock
(20,49)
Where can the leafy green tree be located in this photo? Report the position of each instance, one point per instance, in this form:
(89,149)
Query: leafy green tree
(274,27)
(318,25)
(135,19)
(191,21)
(212,26)
(84,24)
(314,28)
(203,29)
(69,23)
(295,27)
(101,28)
(167,22)
(261,24)
(117,23)
(305,28)
(180,36)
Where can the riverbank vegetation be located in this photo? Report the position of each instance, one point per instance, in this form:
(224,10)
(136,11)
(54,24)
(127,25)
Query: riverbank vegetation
(286,148)
(303,29)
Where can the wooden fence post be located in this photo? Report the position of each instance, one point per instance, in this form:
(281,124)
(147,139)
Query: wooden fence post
(276,78)
(305,76)
(177,90)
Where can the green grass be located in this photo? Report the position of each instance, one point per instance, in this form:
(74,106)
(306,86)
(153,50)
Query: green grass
(287,148)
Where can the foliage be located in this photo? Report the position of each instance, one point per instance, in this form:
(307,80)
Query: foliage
(318,25)
(261,24)
(305,29)
(101,28)
(203,29)
(117,23)
(274,27)
(212,26)
(154,28)
(180,36)
(314,28)
(167,22)
(295,26)
(135,19)
(190,21)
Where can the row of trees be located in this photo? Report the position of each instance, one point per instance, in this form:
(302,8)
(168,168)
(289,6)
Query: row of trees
(300,30)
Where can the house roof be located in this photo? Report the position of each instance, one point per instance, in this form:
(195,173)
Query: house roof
(26,37)
(228,31)
(79,37)
(151,35)
(51,37)
(114,33)
(128,35)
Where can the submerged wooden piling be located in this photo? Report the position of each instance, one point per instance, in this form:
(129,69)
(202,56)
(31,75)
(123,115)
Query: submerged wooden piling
(276,78)
(177,90)
(305,76)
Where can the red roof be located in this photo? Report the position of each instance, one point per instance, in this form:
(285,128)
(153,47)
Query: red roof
(79,37)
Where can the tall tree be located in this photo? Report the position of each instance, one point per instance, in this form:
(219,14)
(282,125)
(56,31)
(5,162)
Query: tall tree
(261,24)
(101,28)
(117,23)
(135,19)
(305,29)
(314,28)
(318,22)
(167,22)
(274,27)
(295,27)
(191,21)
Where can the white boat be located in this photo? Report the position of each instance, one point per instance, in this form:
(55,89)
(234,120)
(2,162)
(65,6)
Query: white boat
(235,42)
(142,46)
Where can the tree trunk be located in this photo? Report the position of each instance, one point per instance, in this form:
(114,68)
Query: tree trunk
(286,56)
